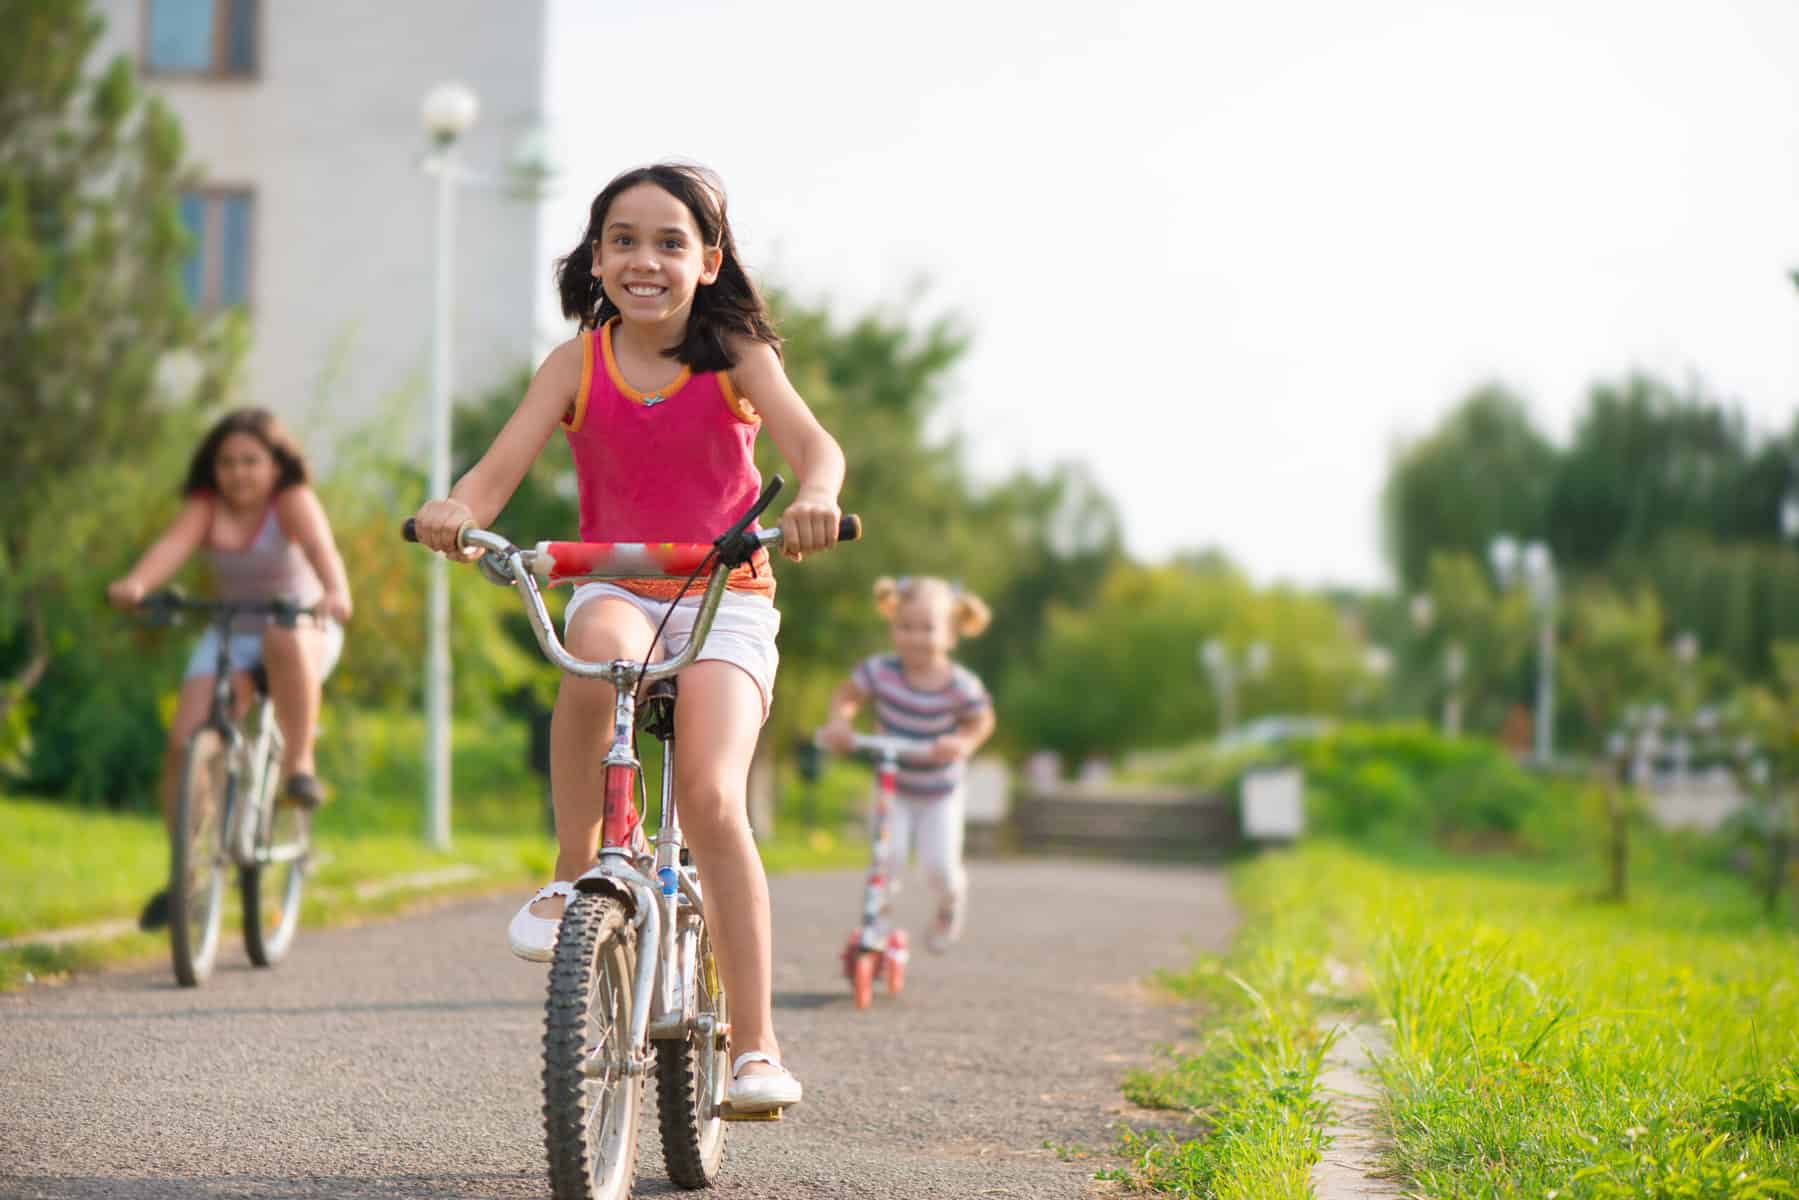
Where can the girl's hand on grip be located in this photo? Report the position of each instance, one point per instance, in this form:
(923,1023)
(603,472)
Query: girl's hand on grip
(835,736)
(337,606)
(949,748)
(809,525)
(438,522)
(124,593)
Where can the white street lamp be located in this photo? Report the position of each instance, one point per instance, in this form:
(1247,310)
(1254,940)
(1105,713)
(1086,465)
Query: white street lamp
(447,112)
(1532,565)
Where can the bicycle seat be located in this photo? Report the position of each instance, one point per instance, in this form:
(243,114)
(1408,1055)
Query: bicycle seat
(656,715)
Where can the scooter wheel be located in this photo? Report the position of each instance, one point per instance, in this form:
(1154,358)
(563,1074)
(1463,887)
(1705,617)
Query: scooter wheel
(896,974)
(862,979)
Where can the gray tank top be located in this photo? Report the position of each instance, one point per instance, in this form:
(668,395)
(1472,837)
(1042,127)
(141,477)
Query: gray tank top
(271,567)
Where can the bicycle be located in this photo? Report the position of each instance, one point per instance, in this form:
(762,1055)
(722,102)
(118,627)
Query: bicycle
(611,1011)
(876,948)
(226,810)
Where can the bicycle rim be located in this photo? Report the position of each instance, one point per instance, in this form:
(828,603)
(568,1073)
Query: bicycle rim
(692,1076)
(197,857)
(591,1102)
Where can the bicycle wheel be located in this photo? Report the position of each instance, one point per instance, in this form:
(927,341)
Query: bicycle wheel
(197,856)
(271,885)
(591,1102)
(693,1074)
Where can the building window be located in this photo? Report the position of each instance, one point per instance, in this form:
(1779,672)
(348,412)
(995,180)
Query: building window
(217,272)
(201,37)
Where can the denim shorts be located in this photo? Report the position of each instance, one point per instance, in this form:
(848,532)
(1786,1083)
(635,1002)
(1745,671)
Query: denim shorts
(245,651)
(743,632)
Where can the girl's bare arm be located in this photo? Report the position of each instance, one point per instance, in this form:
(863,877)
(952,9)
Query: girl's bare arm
(166,554)
(810,521)
(303,519)
(846,702)
(479,495)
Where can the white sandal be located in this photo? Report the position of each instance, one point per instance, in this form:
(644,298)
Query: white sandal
(761,1093)
(533,937)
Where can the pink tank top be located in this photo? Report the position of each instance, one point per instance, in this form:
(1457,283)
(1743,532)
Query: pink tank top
(271,567)
(674,465)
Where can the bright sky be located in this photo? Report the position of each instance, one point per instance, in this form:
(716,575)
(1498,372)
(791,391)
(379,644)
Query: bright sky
(1230,255)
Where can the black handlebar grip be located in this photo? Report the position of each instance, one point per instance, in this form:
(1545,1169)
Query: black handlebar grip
(849,529)
(410,530)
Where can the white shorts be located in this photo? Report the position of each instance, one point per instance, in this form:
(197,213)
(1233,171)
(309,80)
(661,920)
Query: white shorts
(743,631)
(245,651)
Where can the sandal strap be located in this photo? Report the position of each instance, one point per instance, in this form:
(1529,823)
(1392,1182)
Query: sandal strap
(750,1056)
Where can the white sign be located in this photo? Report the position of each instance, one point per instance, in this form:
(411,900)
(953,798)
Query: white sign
(1272,803)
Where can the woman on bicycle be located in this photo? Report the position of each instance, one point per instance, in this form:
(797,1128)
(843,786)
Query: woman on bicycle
(249,508)
(672,372)
(920,693)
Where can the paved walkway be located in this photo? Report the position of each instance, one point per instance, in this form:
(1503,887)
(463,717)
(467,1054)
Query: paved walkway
(400,1059)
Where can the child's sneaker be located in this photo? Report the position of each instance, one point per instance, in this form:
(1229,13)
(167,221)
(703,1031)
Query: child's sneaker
(946,928)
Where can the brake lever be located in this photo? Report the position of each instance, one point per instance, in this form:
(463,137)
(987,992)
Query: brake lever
(732,547)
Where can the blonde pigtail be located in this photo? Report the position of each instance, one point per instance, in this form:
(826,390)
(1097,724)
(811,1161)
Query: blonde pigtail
(887,596)
(972,616)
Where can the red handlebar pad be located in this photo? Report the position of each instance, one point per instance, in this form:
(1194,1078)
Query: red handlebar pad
(563,562)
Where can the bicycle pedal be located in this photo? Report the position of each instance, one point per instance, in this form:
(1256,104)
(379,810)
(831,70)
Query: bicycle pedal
(727,1113)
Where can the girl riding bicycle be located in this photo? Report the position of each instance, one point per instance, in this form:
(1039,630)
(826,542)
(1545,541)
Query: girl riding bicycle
(673,371)
(249,507)
(922,694)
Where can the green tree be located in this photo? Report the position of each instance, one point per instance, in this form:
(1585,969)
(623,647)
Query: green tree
(1123,673)
(106,363)
(1493,627)
(1769,714)
(1484,471)
(1647,462)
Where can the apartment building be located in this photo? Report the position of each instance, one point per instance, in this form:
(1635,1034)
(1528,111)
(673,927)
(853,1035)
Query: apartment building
(312,211)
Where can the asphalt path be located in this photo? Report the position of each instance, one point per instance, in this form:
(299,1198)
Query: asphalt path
(400,1059)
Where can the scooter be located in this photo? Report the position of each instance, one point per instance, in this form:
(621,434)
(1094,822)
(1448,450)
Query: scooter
(875,948)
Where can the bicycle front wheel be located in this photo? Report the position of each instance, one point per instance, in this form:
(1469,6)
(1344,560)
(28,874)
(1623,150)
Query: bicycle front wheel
(591,1100)
(692,1075)
(271,884)
(197,856)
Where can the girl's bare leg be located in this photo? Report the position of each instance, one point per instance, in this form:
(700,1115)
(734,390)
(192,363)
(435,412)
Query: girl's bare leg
(292,658)
(717,722)
(580,726)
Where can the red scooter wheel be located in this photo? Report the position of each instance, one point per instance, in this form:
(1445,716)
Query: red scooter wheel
(893,961)
(862,979)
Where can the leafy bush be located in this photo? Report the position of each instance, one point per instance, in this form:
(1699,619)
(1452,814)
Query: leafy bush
(1404,781)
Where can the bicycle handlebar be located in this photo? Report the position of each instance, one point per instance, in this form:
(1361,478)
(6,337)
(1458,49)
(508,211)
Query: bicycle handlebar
(567,562)
(163,604)
(884,746)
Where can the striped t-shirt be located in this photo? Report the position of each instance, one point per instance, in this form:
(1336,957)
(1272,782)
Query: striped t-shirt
(901,710)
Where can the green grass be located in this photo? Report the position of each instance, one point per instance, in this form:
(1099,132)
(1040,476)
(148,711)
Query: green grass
(1545,1044)
(1244,1107)
(78,866)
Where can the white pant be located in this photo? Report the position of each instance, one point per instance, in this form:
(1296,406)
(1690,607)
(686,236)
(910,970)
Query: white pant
(934,828)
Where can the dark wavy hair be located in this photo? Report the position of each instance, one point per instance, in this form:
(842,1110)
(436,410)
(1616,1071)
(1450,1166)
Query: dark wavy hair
(729,306)
(259,423)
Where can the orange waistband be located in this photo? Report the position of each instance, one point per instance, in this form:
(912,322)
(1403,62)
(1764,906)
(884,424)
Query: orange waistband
(759,582)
